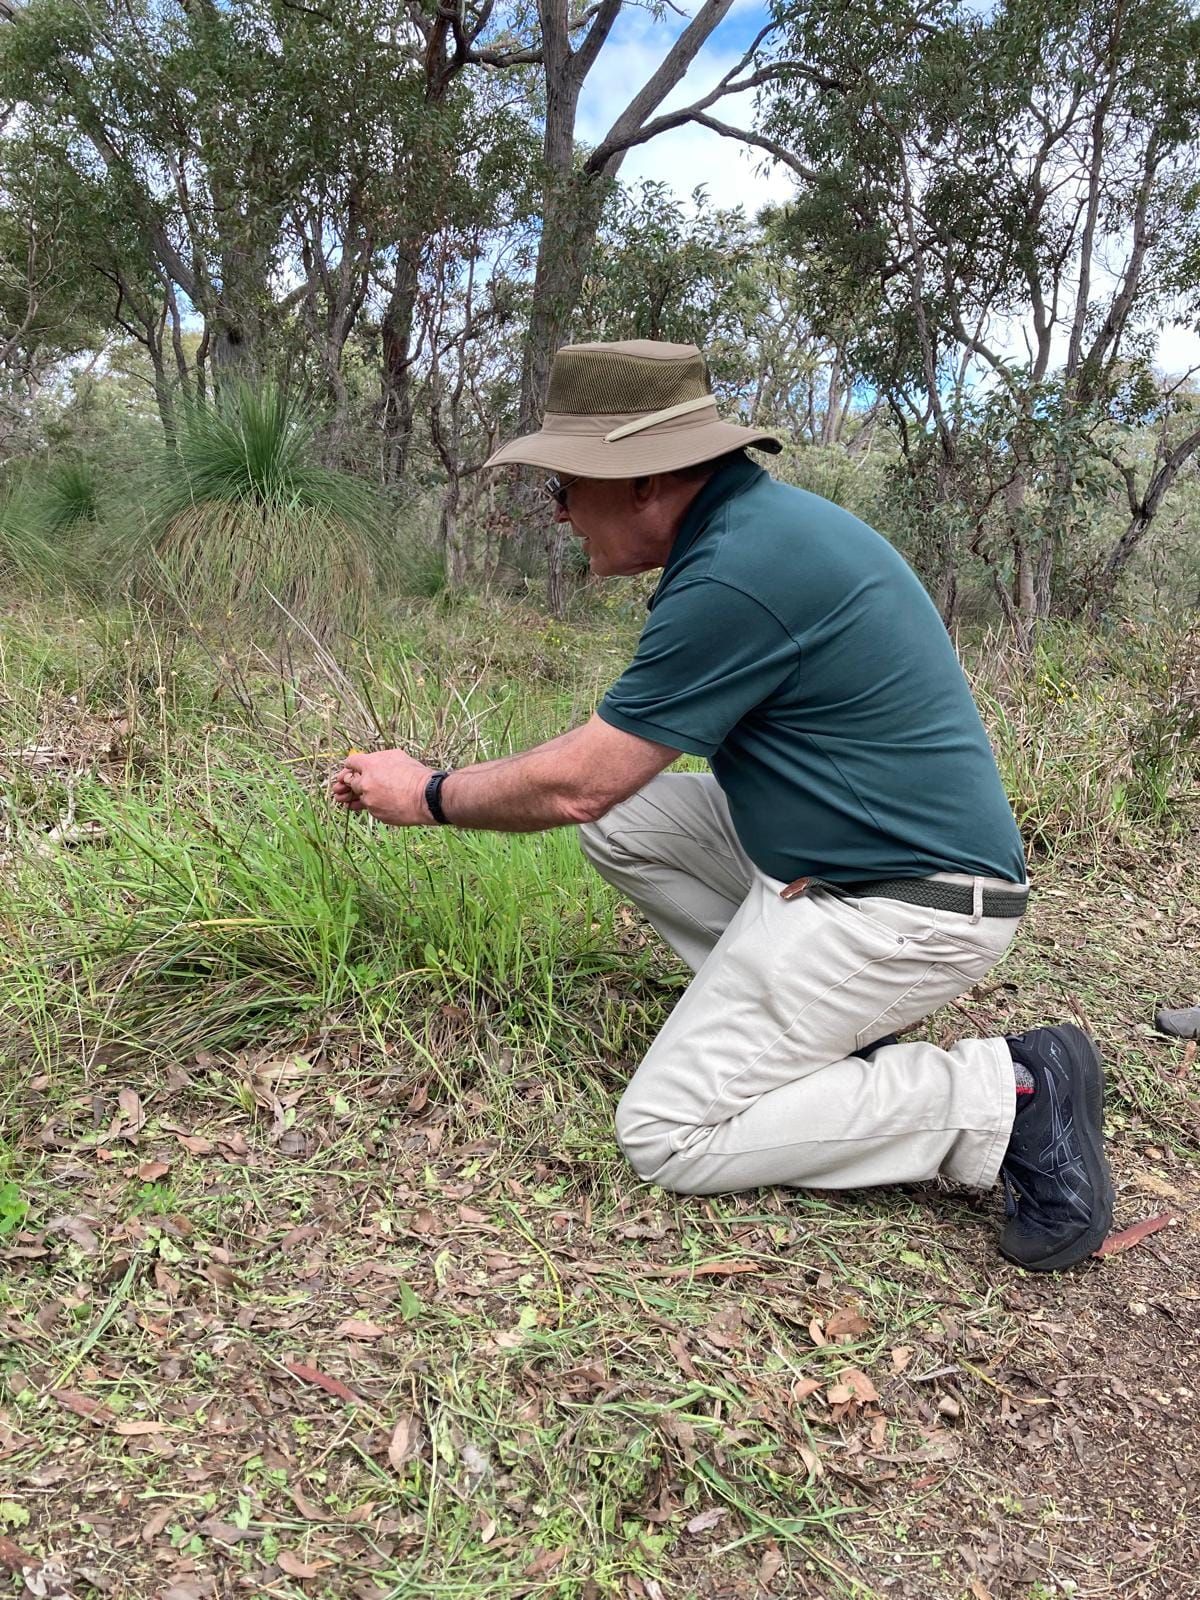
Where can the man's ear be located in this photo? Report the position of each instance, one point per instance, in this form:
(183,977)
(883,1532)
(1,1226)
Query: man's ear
(644,489)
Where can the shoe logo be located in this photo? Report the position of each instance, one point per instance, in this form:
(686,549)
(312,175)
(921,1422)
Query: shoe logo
(1058,1154)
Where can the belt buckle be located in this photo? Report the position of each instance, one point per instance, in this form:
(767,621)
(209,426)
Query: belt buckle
(795,889)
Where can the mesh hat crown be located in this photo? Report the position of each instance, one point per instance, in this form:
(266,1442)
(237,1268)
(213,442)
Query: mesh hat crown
(616,379)
(626,409)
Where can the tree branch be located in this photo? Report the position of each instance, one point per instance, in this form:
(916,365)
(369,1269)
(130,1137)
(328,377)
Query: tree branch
(677,119)
(623,133)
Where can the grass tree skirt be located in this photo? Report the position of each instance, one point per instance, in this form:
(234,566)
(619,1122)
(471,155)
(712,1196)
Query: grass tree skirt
(247,525)
(1182,1024)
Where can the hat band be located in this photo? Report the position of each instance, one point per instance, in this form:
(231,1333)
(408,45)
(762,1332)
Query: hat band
(656,417)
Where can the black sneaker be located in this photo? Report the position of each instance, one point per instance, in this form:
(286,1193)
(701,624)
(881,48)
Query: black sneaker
(1058,1188)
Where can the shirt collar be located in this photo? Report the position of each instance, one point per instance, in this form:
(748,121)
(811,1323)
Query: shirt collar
(722,486)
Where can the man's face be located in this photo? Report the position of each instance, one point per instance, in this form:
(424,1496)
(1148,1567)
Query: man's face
(623,524)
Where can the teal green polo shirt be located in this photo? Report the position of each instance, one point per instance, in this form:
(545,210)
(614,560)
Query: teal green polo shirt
(793,647)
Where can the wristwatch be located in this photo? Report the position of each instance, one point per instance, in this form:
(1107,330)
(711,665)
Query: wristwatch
(433,796)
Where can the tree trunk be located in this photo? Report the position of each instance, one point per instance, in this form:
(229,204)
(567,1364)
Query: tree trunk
(237,316)
(557,584)
(397,363)
(455,556)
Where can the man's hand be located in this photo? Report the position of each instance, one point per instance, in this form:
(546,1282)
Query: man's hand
(388,784)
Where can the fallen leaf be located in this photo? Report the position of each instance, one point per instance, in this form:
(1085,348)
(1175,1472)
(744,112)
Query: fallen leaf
(154,1525)
(131,1112)
(84,1406)
(839,1394)
(949,1407)
(333,1386)
(546,1562)
(195,1144)
(901,1356)
(78,1231)
(352,1328)
(846,1324)
(136,1429)
(812,1462)
(152,1171)
(291,1563)
(803,1387)
(816,1332)
(706,1520)
(1128,1237)
(770,1564)
(859,1384)
(979,1591)
(406,1441)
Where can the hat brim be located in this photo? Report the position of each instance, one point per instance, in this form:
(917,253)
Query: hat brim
(577,446)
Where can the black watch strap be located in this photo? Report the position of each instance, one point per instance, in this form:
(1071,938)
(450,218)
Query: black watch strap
(433,796)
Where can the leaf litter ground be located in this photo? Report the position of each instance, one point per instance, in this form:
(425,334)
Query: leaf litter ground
(356,1316)
(305,1324)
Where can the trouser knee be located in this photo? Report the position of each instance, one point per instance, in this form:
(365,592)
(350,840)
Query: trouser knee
(597,841)
(643,1140)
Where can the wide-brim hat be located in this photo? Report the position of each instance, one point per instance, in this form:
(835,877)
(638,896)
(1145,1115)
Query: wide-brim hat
(626,410)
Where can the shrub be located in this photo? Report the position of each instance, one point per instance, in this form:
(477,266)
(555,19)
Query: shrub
(27,557)
(243,518)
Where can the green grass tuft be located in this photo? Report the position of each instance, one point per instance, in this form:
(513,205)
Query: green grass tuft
(244,522)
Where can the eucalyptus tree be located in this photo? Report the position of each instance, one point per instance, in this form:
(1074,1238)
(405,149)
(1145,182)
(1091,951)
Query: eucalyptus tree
(1001,202)
(666,267)
(48,310)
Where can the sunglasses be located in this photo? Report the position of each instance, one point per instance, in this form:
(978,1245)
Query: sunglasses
(555,489)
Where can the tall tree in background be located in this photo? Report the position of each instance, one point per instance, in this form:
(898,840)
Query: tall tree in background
(1003,204)
(575,186)
(49,310)
(666,268)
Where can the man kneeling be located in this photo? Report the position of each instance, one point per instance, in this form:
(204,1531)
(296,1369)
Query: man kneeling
(850,862)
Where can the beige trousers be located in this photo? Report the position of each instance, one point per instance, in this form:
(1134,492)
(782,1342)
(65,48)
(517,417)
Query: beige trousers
(752,1080)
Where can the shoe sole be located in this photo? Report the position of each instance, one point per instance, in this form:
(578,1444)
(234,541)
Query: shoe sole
(1083,1053)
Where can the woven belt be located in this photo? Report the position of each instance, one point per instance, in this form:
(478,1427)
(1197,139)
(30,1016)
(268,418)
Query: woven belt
(932,892)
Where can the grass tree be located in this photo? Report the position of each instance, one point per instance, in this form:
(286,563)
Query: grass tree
(244,522)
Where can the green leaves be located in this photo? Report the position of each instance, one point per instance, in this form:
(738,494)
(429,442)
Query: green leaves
(13,1208)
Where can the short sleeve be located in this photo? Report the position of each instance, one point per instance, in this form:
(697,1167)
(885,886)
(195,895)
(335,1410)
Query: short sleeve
(708,655)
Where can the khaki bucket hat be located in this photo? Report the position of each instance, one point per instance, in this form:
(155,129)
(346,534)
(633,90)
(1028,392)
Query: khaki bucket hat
(629,409)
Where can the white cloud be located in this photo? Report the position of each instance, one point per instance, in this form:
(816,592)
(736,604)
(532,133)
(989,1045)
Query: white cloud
(734,174)
(1178,350)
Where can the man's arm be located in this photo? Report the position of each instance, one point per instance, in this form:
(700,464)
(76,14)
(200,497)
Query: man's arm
(575,778)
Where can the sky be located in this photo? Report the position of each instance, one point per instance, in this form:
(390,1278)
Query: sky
(732,173)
